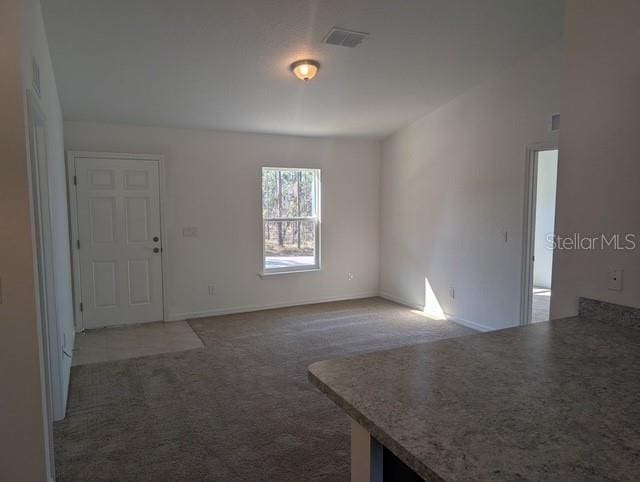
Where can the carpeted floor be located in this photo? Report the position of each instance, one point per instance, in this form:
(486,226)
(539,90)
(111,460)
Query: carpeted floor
(238,409)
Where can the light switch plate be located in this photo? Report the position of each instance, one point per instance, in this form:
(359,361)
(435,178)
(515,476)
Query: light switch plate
(615,279)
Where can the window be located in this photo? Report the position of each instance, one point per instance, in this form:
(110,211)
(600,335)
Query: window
(290,219)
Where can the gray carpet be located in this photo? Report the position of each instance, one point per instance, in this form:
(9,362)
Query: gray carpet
(238,409)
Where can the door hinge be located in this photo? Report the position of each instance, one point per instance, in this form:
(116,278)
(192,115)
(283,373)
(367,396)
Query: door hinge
(78,243)
(75,180)
(81,307)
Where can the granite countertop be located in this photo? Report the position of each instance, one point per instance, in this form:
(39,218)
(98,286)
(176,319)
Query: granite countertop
(558,400)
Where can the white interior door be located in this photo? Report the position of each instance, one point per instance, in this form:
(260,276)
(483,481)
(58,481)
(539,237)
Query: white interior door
(120,246)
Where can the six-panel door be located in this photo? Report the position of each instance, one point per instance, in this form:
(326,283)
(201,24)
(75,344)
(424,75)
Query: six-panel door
(120,245)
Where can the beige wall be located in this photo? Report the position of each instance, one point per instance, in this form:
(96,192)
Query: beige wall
(213,183)
(599,166)
(22,454)
(453,184)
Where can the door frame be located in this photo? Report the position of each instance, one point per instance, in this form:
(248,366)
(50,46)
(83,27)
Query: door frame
(46,311)
(529,225)
(72,158)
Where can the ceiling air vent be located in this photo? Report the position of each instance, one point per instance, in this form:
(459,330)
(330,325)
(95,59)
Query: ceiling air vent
(345,38)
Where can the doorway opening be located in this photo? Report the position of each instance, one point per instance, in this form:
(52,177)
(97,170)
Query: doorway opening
(540,210)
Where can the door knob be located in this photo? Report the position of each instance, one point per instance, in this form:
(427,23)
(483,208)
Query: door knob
(156,239)
(156,250)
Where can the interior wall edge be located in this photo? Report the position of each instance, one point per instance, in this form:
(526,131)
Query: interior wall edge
(453,184)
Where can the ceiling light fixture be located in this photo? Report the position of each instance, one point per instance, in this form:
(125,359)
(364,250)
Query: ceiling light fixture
(305,69)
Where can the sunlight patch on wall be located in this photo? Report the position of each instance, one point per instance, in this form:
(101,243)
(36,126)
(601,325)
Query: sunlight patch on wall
(432,306)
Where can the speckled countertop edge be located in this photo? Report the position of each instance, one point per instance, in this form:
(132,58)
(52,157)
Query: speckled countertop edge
(385,439)
(398,450)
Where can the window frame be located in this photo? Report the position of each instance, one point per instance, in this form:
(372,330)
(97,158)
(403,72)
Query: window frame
(317,266)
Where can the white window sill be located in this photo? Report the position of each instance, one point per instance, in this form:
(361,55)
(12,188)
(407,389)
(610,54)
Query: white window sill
(310,269)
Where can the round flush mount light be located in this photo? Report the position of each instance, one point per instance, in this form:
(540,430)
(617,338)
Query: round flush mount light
(305,69)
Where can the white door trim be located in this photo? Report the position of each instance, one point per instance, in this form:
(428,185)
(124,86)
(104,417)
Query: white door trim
(72,157)
(48,334)
(528,225)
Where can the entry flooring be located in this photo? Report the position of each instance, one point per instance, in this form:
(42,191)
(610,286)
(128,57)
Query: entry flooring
(239,408)
(121,343)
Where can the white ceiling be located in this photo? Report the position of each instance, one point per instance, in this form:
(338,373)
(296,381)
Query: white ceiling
(224,64)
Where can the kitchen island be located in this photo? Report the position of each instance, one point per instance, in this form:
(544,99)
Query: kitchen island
(558,400)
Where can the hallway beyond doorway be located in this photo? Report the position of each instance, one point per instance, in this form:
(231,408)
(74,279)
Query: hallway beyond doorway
(541,304)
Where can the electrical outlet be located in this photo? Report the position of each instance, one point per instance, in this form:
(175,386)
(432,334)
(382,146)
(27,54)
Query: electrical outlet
(615,279)
(212,290)
(350,276)
(452,293)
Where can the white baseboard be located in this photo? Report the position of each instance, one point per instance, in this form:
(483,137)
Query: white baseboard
(249,308)
(400,301)
(460,321)
(469,324)
(369,294)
